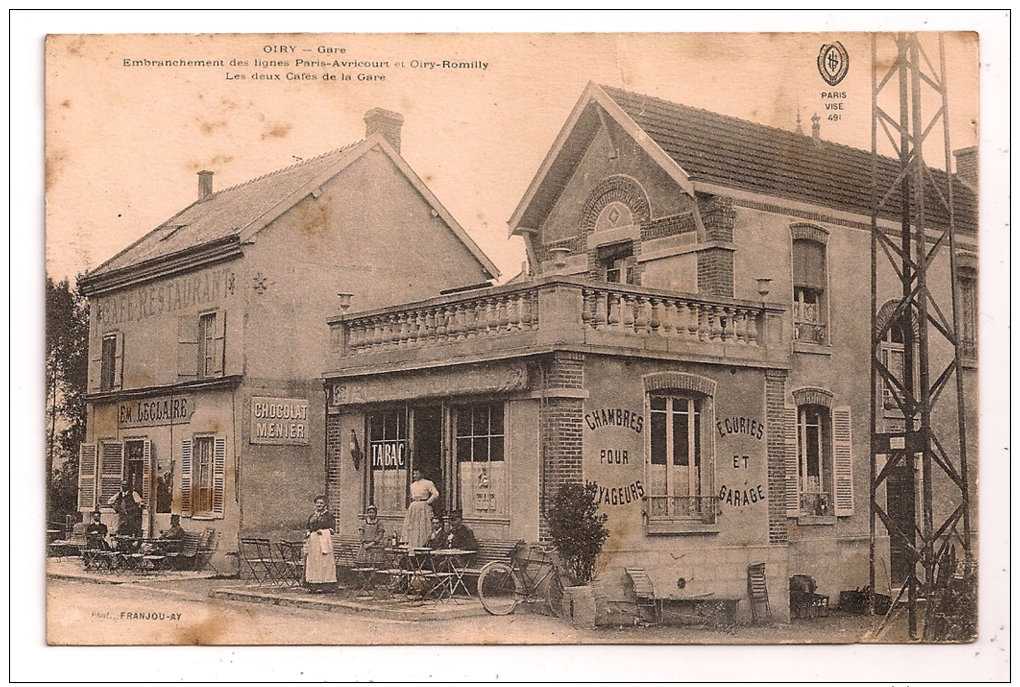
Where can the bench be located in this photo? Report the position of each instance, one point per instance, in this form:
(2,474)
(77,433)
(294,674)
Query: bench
(349,568)
(73,545)
(490,550)
(708,607)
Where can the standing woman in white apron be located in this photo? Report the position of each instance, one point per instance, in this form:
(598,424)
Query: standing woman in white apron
(320,569)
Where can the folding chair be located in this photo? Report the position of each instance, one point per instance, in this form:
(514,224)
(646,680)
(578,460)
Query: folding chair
(206,548)
(258,556)
(758,593)
(293,568)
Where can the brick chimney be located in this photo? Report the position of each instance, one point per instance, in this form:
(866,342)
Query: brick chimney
(204,183)
(386,123)
(967,165)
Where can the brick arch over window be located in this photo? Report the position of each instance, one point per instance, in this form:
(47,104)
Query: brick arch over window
(813,396)
(679,381)
(885,314)
(616,188)
(809,232)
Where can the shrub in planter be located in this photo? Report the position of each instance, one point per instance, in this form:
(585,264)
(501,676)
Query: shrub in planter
(577,529)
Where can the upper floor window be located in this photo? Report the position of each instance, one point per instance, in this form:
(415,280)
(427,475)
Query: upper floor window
(968,295)
(111,371)
(201,345)
(810,321)
(892,351)
(617,263)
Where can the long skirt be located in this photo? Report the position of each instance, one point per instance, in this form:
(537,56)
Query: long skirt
(319,565)
(417,524)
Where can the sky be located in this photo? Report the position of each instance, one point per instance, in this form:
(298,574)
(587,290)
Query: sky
(123,157)
(123,143)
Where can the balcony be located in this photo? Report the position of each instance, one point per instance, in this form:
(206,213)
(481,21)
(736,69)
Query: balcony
(557,313)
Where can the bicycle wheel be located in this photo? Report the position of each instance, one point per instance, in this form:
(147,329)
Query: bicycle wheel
(497,588)
(554,594)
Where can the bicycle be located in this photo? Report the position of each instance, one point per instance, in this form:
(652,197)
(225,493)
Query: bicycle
(533,577)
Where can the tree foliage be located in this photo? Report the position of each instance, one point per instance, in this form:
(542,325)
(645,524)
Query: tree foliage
(577,529)
(67,337)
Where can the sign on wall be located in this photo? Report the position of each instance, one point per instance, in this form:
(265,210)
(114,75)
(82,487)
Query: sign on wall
(151,412)
(279,421)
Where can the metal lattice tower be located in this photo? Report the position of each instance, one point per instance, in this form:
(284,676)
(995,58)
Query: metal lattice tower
(914,266)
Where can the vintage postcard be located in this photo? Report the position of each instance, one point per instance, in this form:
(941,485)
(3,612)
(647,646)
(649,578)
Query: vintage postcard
(360,339)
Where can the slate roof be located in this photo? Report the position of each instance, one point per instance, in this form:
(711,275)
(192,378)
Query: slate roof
(732,152)
(221,214)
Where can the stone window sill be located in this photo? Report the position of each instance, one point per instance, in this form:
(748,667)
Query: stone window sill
(665,528)
(813,520)
(811,348)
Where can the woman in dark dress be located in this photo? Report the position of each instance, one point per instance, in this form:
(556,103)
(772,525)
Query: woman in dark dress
(320,569)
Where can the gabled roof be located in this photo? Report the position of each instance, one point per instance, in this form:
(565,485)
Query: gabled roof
(241,211)
(707,148)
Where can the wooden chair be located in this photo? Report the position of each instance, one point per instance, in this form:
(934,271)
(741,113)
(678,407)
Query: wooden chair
(186,557)
(758,593)
(644,592)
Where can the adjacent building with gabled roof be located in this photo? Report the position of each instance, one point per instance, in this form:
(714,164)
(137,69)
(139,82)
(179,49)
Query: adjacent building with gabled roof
(208,334)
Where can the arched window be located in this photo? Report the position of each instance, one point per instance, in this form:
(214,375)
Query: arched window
(819,456)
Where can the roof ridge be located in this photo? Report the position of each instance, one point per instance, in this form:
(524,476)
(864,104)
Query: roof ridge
(757,124)
(284,169)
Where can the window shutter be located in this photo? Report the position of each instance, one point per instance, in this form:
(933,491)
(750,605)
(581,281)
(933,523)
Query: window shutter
(842,462)
(95,382)
(219,460)
(118,362)
(146,470)
(186,477)
(792,463)
(111,470)
(187,346)
(86,477)
(219,337)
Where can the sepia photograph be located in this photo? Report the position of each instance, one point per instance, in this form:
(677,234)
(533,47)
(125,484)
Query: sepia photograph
(375,339)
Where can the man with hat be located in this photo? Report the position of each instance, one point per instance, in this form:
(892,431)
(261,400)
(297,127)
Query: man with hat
(128,505)
(460,535)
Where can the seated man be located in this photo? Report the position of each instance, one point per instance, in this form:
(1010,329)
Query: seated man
(460,535)
(172,539)
(437,539)
(95,533)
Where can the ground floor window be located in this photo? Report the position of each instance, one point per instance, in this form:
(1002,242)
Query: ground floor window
(460,448)
(676,458)
(203,461)
(815,460)
(819,457)
(481,467)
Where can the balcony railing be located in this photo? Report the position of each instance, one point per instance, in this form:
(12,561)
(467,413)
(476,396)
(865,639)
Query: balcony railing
(815,503)
(807,323)
(701,509)
(553,311)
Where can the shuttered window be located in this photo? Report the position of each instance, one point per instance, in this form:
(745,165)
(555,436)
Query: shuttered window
(819,461)
(111,373)
(203,470)
(87,467)
(111,470)
(810,320)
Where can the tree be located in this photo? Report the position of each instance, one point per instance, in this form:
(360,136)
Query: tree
(67,337)
(577,529)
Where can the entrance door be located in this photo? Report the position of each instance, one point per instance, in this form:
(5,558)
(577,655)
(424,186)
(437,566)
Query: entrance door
(427,449)
(901,506)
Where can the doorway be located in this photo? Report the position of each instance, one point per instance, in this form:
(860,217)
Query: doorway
(901,506)
(427,448)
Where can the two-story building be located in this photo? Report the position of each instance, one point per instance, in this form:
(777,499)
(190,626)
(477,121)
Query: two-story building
(694,339)
(208,335)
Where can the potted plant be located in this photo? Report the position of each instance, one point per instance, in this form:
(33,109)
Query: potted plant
(578,531)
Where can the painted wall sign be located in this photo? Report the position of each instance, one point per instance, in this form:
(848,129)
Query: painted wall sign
(620,495)
(279,421)
(740,425)
(614,417)
(155,411)
(204,288)
(741,496)
(389,455)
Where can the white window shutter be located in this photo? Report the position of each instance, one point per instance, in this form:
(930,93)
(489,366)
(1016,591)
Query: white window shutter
(186,477)
(87,465)
(111,470)
(842,461)
(219,461)
(95,380)
(219,338)
(792,462)
(187,346)
(118,362)
(146,470)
